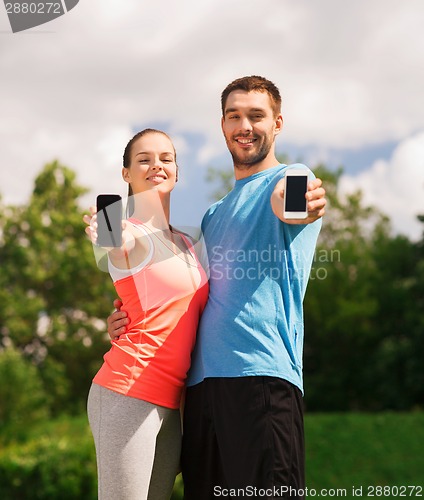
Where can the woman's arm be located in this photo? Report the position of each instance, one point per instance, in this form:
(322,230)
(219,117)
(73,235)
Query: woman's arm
(134,248)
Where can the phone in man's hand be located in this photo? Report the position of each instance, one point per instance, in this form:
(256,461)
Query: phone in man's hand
(109,220)
(295,188)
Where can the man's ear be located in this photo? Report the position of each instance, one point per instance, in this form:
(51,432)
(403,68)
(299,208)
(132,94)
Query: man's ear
(278,124)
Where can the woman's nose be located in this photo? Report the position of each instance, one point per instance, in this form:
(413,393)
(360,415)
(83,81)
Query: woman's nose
(157,165)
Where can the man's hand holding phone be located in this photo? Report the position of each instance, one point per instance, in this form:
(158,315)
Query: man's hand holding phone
(310,210)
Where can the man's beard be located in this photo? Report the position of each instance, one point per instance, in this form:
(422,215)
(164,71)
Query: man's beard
(250,161)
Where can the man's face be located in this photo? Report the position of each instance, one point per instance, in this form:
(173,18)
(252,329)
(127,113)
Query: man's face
(249,127)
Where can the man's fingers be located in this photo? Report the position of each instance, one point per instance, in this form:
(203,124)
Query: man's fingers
(116,324)
(119,324)
(116,316)
(315,194)
(315,214)
(316,204)
(117,304)
(314,184)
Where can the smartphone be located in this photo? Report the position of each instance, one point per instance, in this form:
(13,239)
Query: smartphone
(109,217)
(296,185)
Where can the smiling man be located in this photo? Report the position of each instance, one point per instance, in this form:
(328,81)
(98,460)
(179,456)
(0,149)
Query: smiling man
(250,125)
(243,420)
(243,417)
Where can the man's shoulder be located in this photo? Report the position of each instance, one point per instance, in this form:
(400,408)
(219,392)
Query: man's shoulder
(212,209)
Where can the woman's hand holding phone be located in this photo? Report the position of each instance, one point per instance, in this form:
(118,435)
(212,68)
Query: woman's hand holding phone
(92,232)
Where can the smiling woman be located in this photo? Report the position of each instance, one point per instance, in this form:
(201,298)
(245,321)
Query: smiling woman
(151,161)
(134,401)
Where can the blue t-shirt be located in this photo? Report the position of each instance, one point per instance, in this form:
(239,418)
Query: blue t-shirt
(259,268)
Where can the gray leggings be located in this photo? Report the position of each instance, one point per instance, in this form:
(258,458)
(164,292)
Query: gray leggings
(137,443)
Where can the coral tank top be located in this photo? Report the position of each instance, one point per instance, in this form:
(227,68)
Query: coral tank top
(164,297)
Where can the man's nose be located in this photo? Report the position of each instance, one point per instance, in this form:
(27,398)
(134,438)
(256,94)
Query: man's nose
(245,125)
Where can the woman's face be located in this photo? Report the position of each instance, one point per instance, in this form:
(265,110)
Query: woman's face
(152,164)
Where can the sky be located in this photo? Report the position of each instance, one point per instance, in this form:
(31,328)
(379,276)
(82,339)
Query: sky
(351,75)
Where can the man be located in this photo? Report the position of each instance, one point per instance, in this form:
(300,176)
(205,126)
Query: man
(243,418)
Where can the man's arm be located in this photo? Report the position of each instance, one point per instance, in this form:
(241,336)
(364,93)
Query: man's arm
(316,202)
(117,321)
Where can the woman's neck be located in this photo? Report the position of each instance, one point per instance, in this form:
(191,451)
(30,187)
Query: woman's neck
(153,209)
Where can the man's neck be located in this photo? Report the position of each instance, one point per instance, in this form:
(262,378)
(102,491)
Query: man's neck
(242,173)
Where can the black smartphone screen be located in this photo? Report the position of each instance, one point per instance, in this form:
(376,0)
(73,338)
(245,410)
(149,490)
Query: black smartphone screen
(109,215)
(296,186)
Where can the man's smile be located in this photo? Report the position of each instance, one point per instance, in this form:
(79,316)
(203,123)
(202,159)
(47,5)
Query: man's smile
(245,141)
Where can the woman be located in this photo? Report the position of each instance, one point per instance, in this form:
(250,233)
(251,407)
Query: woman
(133,404)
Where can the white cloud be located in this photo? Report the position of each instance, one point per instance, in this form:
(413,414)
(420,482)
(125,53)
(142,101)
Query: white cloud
(396,186)
(351,75)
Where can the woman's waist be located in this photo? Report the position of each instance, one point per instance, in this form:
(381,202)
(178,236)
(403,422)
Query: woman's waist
(153,386)
(148,300)
(144,345)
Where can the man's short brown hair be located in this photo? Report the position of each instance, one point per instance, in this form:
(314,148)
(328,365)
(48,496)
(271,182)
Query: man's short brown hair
(254,84)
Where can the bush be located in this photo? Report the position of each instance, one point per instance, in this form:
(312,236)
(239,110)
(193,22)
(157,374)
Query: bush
(23,400)
(58,464)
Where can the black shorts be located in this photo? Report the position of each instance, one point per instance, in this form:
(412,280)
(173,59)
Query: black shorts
(243,434)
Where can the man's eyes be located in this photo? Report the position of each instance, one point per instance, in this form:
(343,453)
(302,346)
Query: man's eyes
(251,117)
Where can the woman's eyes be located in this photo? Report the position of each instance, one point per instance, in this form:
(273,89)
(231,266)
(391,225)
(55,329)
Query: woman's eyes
(164,160)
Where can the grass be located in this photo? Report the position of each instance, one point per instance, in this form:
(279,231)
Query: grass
(343,450)
(351,449)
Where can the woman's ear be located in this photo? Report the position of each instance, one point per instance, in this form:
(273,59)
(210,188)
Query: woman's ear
(126,174)
(176,175)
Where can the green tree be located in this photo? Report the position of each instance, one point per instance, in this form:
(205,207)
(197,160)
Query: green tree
(23,399)
(360,349)
(53,298)
(224,179)
(340,305)
(398,360)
